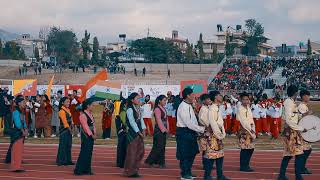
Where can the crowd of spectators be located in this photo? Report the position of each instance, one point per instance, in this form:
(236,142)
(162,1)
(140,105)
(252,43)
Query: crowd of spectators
(303,72)
(243,74)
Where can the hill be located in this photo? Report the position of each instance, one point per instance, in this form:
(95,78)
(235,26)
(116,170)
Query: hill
(7,36)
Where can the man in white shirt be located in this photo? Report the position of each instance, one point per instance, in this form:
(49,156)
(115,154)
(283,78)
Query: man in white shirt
(256,110)
(304,110)
(187,133)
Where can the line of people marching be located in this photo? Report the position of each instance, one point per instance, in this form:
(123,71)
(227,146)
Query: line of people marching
(198,128)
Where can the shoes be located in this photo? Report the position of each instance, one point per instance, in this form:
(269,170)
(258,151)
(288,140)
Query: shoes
(78,135)
(246,169)
(186,177)
(135,176)
(306,171)
(35,136)
(19,171)
(282,178)
(223,178)
(53,135)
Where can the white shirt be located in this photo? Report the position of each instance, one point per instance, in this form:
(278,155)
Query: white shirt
(223,111)
(256,110)
(187,118)
(147,111)
(263,112)
(169,108)
(277,111)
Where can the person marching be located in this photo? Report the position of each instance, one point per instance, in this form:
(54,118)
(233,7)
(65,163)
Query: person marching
(293,142)
(157,154)
(186,137)
(276,114)
(75,113)
(147,114)
(135,136)
(88,136)
(211,141)
(227,114)
(263,115)
(18,134)
(107,119)
(65,134)
(256,110)
(171,120)
(246,134)
(122,131)
(304,111)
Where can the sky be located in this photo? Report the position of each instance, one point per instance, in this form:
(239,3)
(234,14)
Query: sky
(285,21)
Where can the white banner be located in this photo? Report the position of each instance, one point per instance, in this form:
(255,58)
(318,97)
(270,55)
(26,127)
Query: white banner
(153,90)
(41,89)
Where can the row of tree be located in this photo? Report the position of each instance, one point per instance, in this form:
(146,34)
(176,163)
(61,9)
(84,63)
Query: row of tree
(11,50)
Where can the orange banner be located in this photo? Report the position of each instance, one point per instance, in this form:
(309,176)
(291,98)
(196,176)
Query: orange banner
(48,92)
(26,87)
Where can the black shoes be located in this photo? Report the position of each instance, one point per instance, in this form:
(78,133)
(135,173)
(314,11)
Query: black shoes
(306,171)
(248,169)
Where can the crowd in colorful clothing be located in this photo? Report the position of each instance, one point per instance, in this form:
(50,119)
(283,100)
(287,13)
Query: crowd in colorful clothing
(199,125)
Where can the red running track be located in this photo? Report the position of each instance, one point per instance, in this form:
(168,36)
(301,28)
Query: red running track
(39,161)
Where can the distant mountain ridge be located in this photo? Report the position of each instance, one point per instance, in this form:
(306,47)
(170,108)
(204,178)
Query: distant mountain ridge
(7,36)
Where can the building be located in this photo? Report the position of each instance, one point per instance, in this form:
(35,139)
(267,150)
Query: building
(28,44)
(235,36)
(294,50)
(177,41)
(117,47)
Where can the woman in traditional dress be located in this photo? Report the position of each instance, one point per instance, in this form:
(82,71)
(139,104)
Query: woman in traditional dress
(293,142)
(65,132)
(55,122)
(246,133)
(18,134)
(107,119)
(49,112)
(88,135)
(157,154)
(135,136)
(210,142)
(122,134)
(40,115)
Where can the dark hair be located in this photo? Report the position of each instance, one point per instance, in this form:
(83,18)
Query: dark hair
(17,100)
(123,104)
(75,91)
(59,92)
(47,98)
(187,91)
(158,99)
(213,95)
(62,100)
(264,96)
(130,104)
(304,93)
(203,97)
(244,94)
(292,89)
(86,103)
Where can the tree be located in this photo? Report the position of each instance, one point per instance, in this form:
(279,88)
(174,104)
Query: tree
(13,51)
(157,50)
(253,37)
(200,47)
(36,53)
(189,56)
(63,44)
(104,54)
(95,52)
(309,51)
(215,55)
(85,45)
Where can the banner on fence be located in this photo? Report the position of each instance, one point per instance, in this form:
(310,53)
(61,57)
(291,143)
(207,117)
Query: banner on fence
(153,90)
(199,86)
(26,87)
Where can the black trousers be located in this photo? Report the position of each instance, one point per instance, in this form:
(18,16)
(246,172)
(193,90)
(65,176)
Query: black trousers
(7,123)
(64,150)
(121,150)
(306,156)
(83,165)
(106,133)
(245,157)
(186,166)
(158,151)
(298,166)
(208,166)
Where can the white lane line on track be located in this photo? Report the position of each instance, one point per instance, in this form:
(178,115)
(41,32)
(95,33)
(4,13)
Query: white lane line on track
(158,169)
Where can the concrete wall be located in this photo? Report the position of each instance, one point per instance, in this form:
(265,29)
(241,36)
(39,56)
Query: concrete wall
(12,63)
(173,67)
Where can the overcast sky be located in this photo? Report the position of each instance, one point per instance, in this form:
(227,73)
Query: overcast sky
(288,21)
